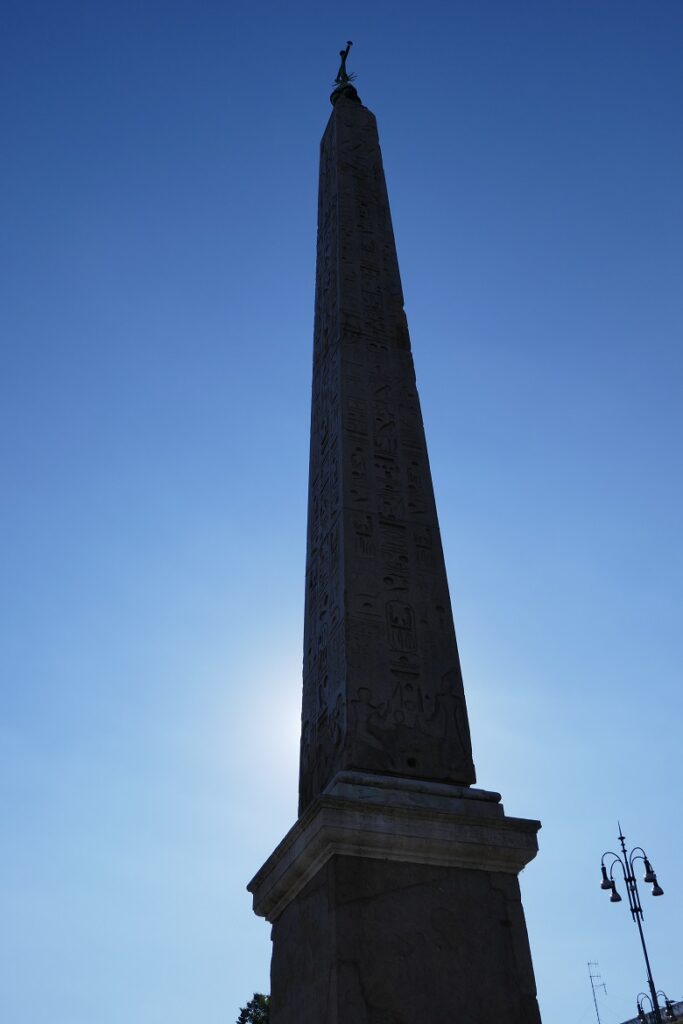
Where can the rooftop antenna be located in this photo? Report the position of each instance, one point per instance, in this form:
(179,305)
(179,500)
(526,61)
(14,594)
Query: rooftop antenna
(596,982)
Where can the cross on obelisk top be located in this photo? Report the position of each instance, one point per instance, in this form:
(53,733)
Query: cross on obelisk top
(344,79)
(342,75)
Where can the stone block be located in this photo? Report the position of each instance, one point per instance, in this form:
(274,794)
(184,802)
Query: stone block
(382,942)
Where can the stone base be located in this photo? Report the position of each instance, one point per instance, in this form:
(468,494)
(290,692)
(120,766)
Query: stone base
(379,942)
(397,902)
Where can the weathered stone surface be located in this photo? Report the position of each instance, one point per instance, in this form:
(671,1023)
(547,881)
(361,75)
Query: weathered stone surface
(391,819)
(372,942)
(394,898)
(383,688)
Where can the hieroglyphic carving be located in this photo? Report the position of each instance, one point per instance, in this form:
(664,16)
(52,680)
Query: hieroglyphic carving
(401,622)
(382,683)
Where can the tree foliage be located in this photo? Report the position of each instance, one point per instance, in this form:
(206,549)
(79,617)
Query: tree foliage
(256,1010)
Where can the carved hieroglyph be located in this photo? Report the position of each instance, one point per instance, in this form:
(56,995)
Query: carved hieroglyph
(383,688)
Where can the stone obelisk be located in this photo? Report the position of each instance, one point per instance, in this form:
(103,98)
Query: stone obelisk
(394,898)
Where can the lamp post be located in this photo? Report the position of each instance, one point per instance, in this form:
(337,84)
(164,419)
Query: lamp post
(626,861)
(668,1006)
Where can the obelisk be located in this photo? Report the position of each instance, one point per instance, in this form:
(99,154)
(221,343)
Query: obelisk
(394,898)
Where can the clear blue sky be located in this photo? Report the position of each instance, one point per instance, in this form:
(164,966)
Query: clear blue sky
(157,202)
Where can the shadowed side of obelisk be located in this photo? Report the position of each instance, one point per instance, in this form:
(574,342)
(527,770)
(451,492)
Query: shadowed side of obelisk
(383,689)
(394,898)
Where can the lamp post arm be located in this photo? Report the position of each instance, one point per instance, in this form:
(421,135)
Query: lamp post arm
(638,853)
(629,880)
(611,853)
(616,859)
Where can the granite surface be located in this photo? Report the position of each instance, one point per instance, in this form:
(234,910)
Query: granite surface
(394,898)
(390,819)
(383,688)
(372,942)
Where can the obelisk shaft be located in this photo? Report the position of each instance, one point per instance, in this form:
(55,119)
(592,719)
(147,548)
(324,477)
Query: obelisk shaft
(394,897)
(383,689)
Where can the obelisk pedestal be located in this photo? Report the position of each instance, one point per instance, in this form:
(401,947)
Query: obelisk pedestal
(394,898)
(395,901)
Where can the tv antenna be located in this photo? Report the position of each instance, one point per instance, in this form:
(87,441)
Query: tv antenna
(596,982)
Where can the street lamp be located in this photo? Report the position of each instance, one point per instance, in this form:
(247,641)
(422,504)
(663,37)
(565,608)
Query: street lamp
(668,1006)
(626,861)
